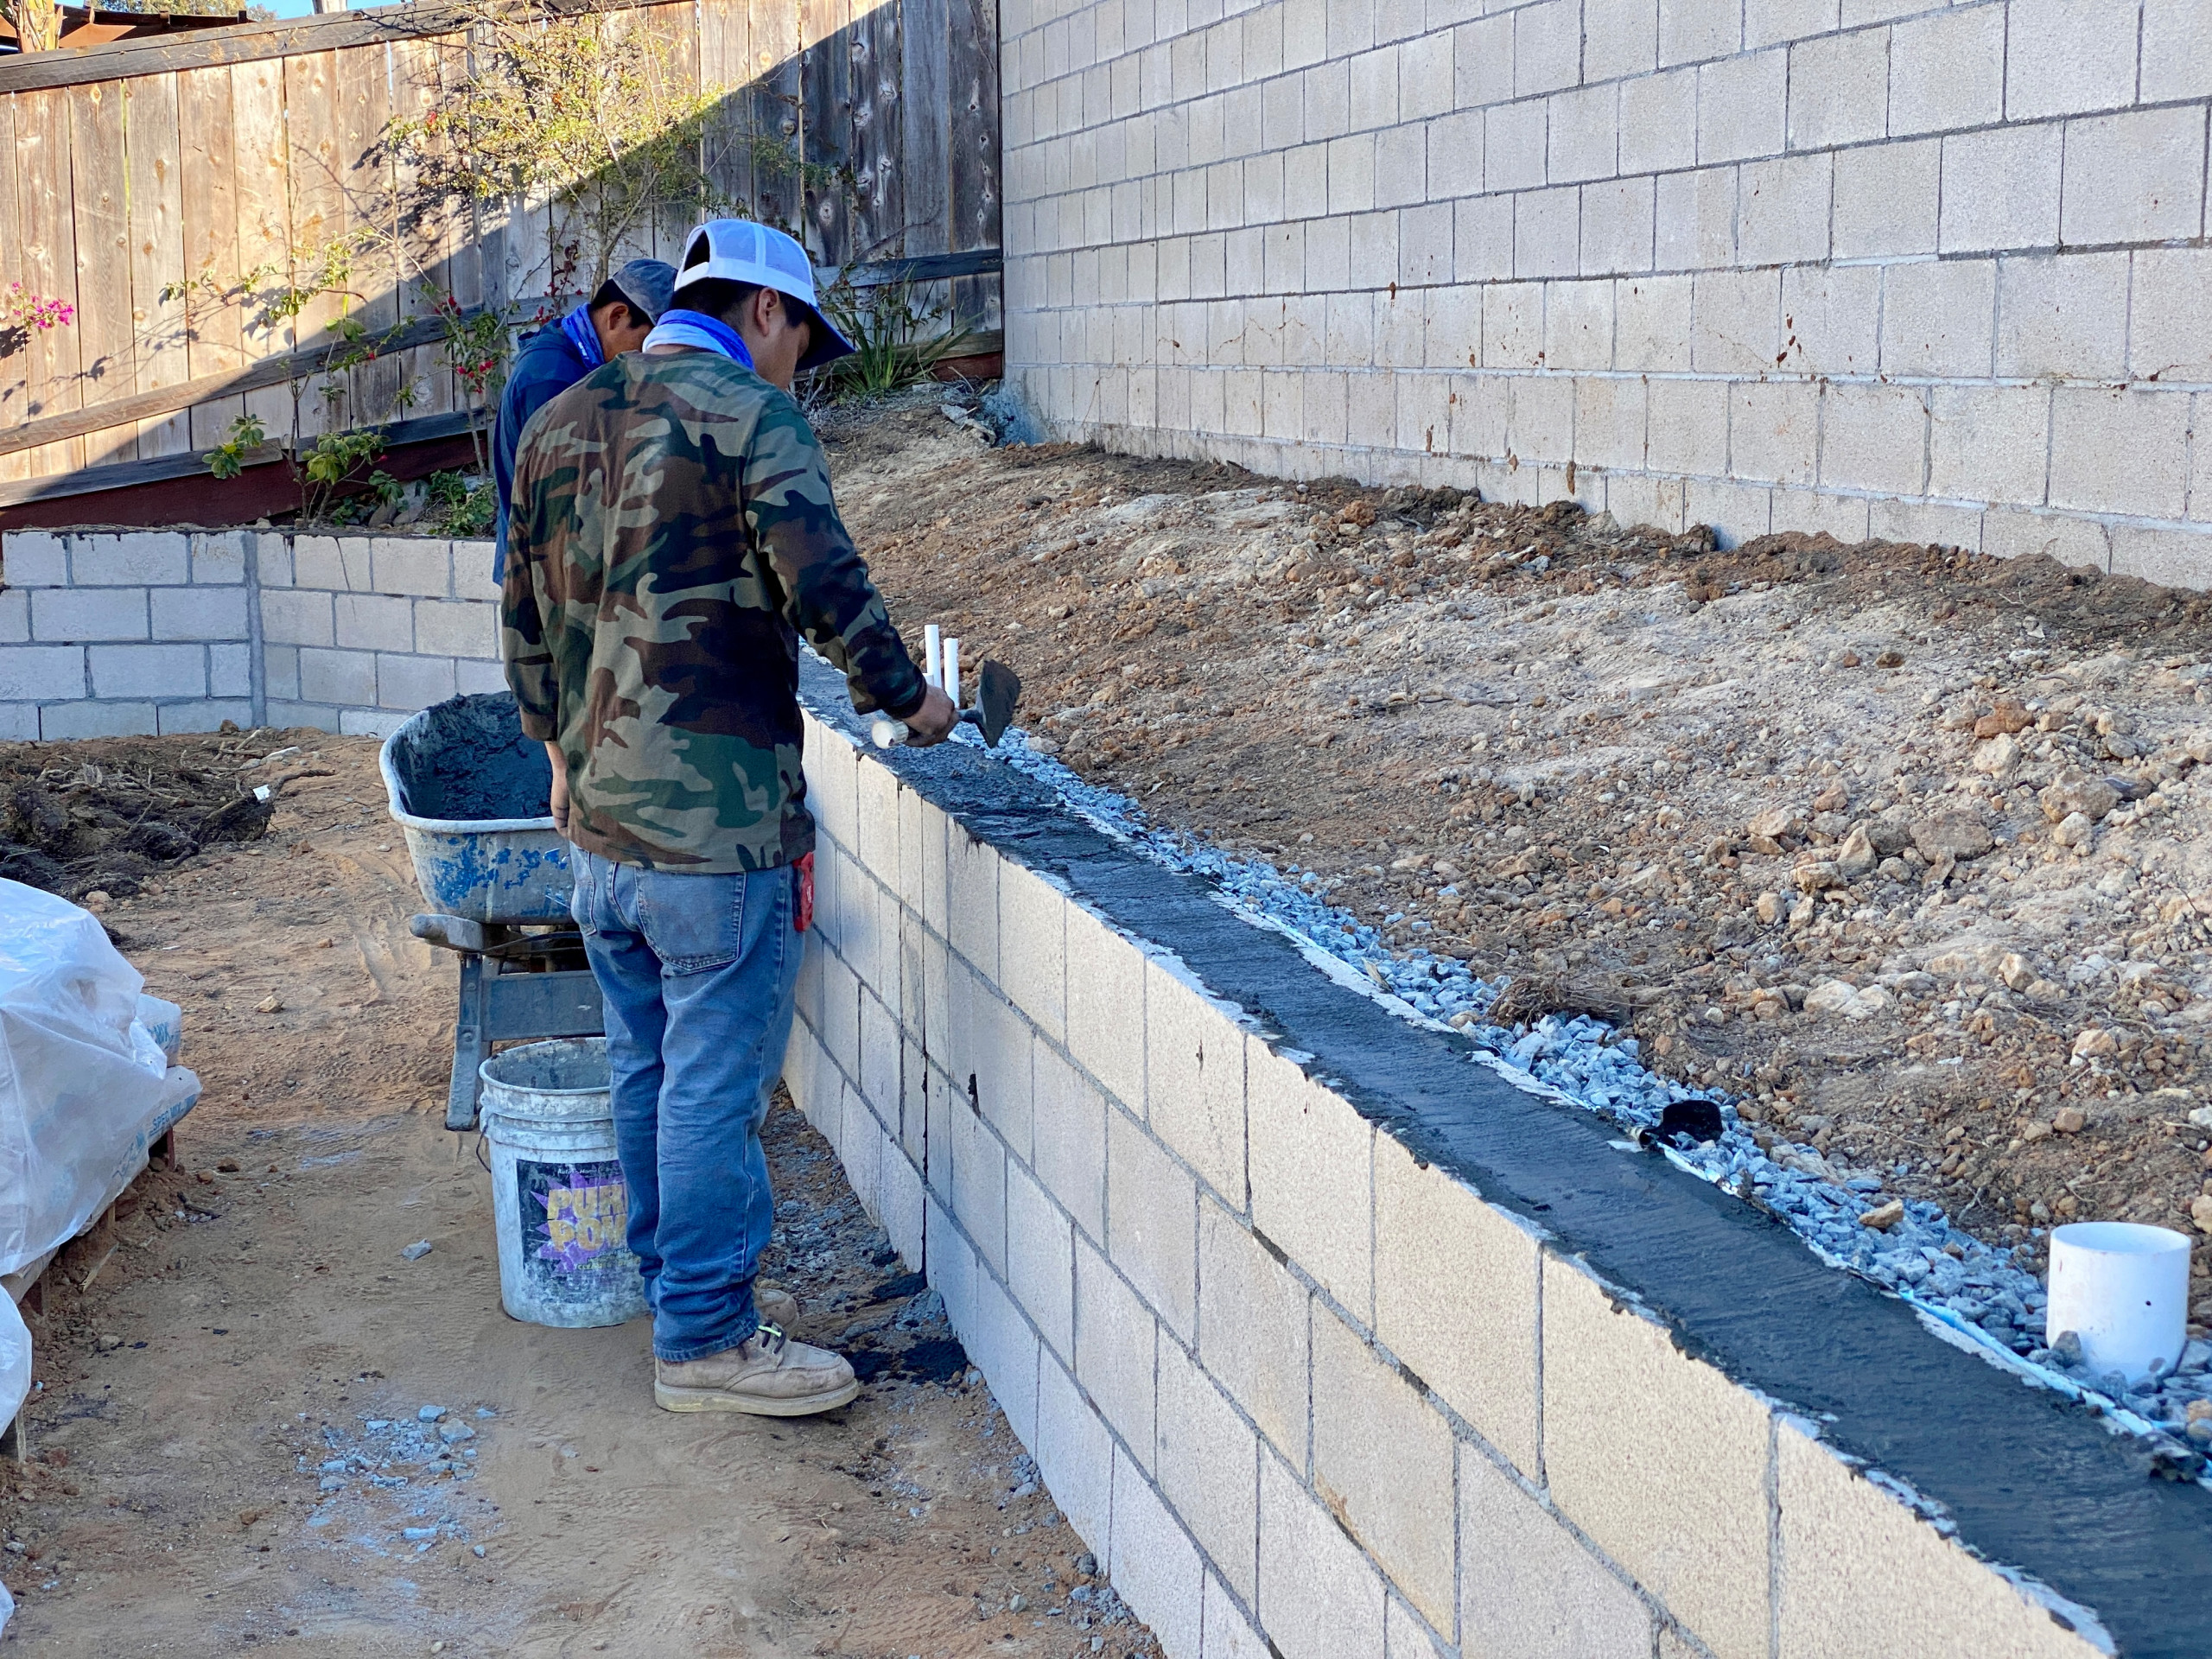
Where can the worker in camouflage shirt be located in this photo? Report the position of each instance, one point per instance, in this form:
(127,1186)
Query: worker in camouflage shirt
(671,535)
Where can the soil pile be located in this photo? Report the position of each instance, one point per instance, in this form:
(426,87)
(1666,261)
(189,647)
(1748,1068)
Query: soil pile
(1903,846)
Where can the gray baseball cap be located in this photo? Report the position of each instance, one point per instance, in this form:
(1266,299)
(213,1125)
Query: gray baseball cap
(648,284)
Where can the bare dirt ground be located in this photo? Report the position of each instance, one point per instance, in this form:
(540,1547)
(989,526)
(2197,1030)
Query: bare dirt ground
(1905,845)
(256,1335)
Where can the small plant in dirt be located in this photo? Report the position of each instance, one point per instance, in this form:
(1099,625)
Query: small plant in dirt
(897,339)
(460,503)
(333,478)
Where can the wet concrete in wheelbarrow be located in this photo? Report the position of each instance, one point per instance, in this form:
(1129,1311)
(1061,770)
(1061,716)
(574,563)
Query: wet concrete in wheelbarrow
(2031,1480)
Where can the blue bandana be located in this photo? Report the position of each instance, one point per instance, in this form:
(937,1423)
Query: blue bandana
(679,328)
(578,327)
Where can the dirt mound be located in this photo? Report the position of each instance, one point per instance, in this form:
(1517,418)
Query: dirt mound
(107,816)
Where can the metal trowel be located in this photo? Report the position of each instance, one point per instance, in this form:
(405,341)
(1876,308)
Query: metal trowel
(998,693)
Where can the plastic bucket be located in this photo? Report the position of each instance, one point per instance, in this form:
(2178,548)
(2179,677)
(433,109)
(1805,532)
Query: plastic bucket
(2123,1288)
(560,1204)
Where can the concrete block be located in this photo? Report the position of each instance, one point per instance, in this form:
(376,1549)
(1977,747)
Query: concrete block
(1773,431)
(1924,522)
(1208,1467)
(1839,89)
(1874,437)
(1886,197)
(1736,512)
(151,671)
(1783,210)
(1688,427)
(1155,1567)
(1831,319)
(1230,1633)
(1041,1261)
(1692,30)
(2066,56)
(1737,328)
(1651,324)
(839,1024)
(1069,1131)
(62,721)
(343,677)
(1988,443)
(219,557)
(1106,1005)
(199,613)
(1382,1463)
(1740,104)
(972,898)
(272,556)
(457,628)
(418,565)
(1682,1501)
(1636,499)
(296,617)
(1513,146)
(1937,319)
(2117,450)
(1004,1346)
(281,671)
(1310,1163)
(1032,947)
(832,783)
(1253,1337)
(877,819)
(1584,137)
(407,682)
(1456,1287)
(334,563)
(2063,316)
(320,716)
(1114,1339)
(859,1150)
(1947,71)
(1152,1223)
(1579,325)
(15,616)
(2138,177)
(903,1207)
(2081,542)
(1540,416)
(1659,122)
(1697,219)
(1075,1453)
(1002,1064)
(84,614)
(204,716)
(881,1077)
(136,558)
(470,676)
(374,622)
(1861,1573)
(472,571)
(1618,222)
(34,558)
(1528,1588)
(952,1265)
(2172,296)
(2172,558)
(2000,189)
(1194,1080)
(1320,1596)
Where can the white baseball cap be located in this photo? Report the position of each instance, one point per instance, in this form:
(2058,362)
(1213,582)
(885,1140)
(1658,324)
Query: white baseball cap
(745,250)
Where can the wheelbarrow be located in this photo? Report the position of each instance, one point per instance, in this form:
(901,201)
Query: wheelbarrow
(470,792)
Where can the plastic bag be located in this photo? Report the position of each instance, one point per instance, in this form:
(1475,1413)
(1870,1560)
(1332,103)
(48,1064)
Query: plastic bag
(85,1087)
(14,1389)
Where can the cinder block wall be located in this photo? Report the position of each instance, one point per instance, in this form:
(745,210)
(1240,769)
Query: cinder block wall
(1301,1393)
(1922,272)
(103,633)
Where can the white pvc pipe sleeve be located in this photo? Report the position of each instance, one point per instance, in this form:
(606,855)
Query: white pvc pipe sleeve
(932,646)
(2123,1288)
(950,662)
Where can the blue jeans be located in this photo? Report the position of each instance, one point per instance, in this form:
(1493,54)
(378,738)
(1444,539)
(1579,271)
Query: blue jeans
(697,972)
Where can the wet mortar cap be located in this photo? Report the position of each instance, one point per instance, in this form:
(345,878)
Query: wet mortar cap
(741,250)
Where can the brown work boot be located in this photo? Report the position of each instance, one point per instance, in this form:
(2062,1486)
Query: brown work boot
(768,1374)
(775,1305)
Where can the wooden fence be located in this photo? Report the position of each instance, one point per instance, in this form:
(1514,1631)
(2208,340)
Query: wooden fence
(144,166)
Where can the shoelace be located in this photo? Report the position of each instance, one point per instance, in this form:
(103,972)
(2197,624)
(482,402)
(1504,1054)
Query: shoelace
(772,1338)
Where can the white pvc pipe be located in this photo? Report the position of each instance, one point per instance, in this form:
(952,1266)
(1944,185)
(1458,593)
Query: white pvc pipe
(2122,1288)
(932,644)
(950,662)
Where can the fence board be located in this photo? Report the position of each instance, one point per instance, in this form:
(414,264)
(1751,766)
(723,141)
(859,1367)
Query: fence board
(14,386)
(826,123)
(879,186)
(314,178)
(974,196)
(153,170)
(96,159)
(926,40)
(375,389)
(778,114)
(45,204)
(726,70)
(209,172)
(265,226)
(425,247)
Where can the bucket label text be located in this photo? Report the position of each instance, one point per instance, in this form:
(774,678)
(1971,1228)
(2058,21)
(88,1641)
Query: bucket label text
(575,1217)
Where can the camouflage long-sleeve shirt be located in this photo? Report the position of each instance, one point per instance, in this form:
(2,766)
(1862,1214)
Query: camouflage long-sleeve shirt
(671,535)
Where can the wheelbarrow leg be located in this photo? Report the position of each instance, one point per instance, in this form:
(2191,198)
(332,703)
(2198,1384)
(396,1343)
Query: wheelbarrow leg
(471,1046)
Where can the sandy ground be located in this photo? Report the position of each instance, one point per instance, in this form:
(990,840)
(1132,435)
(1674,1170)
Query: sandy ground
(257,1315)
(1903,845)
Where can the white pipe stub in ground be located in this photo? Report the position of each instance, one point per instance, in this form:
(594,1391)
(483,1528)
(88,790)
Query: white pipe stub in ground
(2122,1288)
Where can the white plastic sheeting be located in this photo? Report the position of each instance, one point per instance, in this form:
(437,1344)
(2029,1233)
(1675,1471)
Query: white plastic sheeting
(85,1087)
(14,1389)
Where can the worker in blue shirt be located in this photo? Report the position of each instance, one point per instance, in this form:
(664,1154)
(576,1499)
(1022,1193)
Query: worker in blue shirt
(616,320)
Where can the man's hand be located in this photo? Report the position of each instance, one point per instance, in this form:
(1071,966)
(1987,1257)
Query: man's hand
(933,722)
(560,790)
